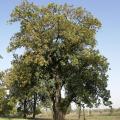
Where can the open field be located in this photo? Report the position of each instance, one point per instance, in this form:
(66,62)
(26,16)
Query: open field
(24,119)
(98,118)
(93,115)
(74,118)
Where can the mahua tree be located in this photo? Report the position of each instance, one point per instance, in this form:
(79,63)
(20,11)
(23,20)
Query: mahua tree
(61,40)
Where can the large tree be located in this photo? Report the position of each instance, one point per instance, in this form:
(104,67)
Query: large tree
(61,40)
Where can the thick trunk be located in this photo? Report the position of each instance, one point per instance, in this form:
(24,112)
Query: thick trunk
(57,113)
(58,116)
(34,105)
(25,109)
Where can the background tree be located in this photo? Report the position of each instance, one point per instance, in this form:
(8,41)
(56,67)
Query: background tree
(23,83)
(7,107)
(61,40)
(2,92)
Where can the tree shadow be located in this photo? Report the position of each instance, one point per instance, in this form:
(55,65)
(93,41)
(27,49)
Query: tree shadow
(46,119)
(41,119)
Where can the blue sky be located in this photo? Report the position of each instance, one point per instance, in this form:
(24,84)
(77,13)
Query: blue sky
(108,37)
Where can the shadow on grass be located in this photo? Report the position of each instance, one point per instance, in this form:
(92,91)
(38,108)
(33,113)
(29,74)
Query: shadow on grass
(14,118)
(40,119)
(20,118)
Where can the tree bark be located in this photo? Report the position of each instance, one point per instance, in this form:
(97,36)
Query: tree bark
(84,113)
(57,113)
(79,114)
(25,109)
(34,105)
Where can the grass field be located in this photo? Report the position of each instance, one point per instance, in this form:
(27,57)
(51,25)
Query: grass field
(99,118)
(95,115)
(74,118)
(24,119)
(104,118)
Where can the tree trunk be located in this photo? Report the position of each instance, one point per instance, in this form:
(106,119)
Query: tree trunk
(84,113)
(34,105)
(57,113)
(59,116)
(58,110)
(79,114)
(25,109)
